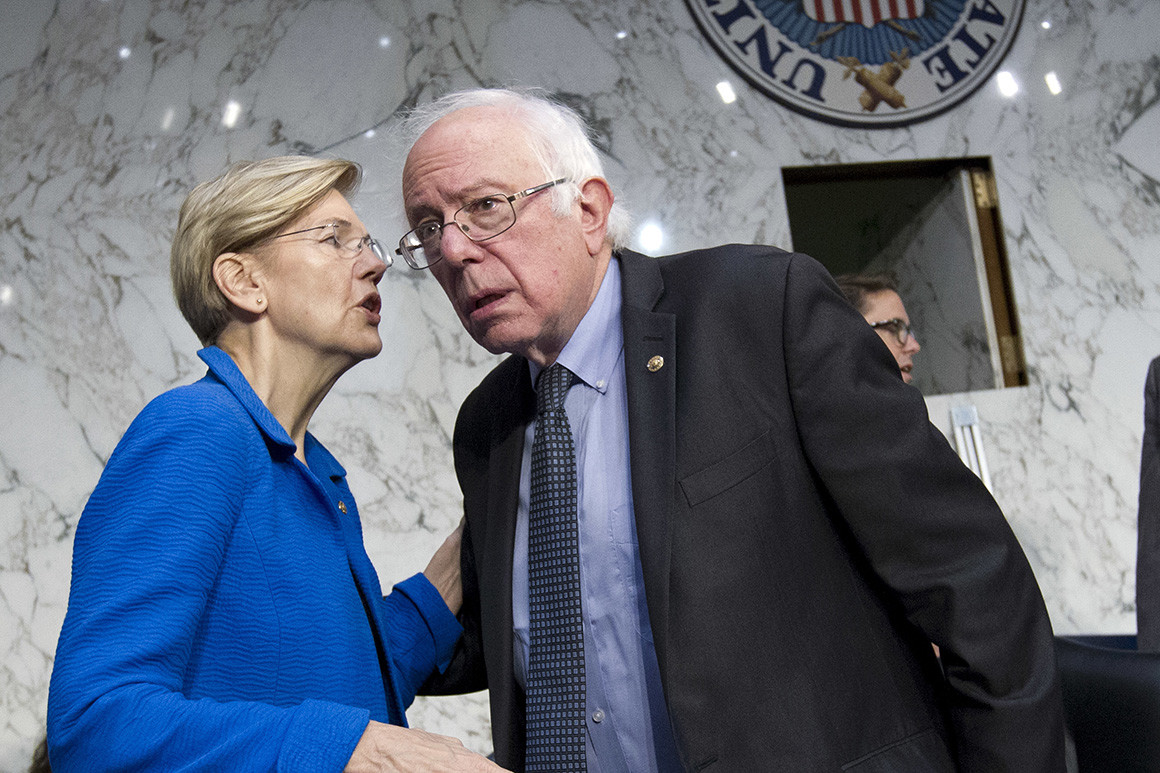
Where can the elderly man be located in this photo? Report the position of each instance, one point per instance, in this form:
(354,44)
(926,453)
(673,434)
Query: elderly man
(730,547)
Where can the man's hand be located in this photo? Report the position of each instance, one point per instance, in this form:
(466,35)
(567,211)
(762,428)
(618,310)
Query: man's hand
(443,570)
(393,749)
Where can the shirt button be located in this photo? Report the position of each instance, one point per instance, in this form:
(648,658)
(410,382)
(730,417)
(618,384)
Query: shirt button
(342,506)
(598,716)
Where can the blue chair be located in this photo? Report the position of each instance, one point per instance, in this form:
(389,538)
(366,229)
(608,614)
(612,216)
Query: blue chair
(1111,696)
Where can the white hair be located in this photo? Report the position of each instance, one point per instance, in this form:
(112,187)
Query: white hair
(557,137)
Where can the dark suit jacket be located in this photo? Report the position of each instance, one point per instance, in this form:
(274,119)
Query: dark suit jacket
(1148,521)
(804,531)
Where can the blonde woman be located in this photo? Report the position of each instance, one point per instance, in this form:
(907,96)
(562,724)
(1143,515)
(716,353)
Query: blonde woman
(224,614)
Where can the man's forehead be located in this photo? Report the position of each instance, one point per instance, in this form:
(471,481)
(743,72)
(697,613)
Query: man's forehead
(466,158)
(458,185)
(473,127)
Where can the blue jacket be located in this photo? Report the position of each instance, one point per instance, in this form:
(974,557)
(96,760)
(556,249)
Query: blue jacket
(224,614)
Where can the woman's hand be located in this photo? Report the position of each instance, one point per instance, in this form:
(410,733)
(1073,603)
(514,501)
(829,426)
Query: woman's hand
(393,749)
(443,570)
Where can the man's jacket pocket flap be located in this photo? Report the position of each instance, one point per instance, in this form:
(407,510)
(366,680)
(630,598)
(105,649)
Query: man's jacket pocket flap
(728,472)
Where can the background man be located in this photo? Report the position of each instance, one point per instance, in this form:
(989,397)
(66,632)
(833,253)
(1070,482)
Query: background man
(876,298)
(770,531)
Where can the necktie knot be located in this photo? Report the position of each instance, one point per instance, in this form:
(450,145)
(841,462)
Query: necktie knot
(551,387)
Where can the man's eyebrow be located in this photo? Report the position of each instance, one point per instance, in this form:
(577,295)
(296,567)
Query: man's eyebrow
(419,211)
(476,190)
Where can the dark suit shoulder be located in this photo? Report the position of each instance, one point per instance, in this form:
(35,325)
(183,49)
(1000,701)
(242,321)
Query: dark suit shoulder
(737,277)
(725,261)
(495,404)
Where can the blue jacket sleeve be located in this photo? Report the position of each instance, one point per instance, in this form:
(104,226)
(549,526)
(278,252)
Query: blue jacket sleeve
(421,630)
(147,551)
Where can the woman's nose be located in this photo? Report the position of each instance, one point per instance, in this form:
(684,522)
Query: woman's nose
(369,265)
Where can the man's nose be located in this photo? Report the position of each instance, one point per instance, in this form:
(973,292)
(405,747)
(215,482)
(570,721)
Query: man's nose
(454,244)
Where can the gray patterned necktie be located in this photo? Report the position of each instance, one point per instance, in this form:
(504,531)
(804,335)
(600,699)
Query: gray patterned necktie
(555,685)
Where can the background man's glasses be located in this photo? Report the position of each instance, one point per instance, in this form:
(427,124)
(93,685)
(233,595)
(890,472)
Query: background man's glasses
(479,220)
(345,240)
(900,329)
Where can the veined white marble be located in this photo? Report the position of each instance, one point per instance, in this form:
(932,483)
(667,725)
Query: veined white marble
(110,110)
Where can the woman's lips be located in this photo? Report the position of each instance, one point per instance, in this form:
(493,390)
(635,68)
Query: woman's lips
(373,304)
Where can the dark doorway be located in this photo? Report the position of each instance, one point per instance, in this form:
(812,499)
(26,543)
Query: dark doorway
(935,225)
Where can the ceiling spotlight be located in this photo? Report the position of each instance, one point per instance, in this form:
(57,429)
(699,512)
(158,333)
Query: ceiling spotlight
(231,114)
(1008,86)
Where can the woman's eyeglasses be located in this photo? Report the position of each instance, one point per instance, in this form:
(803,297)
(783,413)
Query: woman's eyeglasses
(345,240)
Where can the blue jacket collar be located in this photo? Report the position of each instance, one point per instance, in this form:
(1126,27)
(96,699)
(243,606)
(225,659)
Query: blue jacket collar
(225,370)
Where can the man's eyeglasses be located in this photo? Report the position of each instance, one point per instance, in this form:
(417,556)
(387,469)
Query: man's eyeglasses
(479,220)
(899,328)
(345,240)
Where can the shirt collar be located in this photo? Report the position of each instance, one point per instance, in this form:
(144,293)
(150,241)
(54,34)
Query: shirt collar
(594,348)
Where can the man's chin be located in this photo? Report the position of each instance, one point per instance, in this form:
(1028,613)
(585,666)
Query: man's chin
(491,339)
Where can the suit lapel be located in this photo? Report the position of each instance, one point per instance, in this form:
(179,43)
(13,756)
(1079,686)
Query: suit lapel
(506,455)
(651,384)
(504,484)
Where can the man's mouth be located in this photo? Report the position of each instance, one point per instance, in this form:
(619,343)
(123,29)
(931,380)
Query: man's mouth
(479,301)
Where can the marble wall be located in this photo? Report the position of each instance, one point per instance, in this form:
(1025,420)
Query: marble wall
(110,110)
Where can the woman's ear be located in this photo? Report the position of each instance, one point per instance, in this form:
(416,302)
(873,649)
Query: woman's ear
(233,273)
(595,203)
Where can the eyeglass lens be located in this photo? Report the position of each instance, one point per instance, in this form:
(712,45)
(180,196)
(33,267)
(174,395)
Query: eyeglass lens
(900,329)
(349,242)
(478,220)
(901,332)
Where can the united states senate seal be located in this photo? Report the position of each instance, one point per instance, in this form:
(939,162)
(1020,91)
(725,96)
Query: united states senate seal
(862,63)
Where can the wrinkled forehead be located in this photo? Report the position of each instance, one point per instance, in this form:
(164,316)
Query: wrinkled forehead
(468,150)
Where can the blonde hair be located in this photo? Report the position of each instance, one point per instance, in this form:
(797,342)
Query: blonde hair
(236,211)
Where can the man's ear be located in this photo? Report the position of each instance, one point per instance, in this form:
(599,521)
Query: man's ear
(595,203)
(233,273)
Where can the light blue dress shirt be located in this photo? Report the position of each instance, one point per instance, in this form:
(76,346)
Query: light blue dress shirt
(628,722)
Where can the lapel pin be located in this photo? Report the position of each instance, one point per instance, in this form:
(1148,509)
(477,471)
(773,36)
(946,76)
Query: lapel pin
(655,363)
